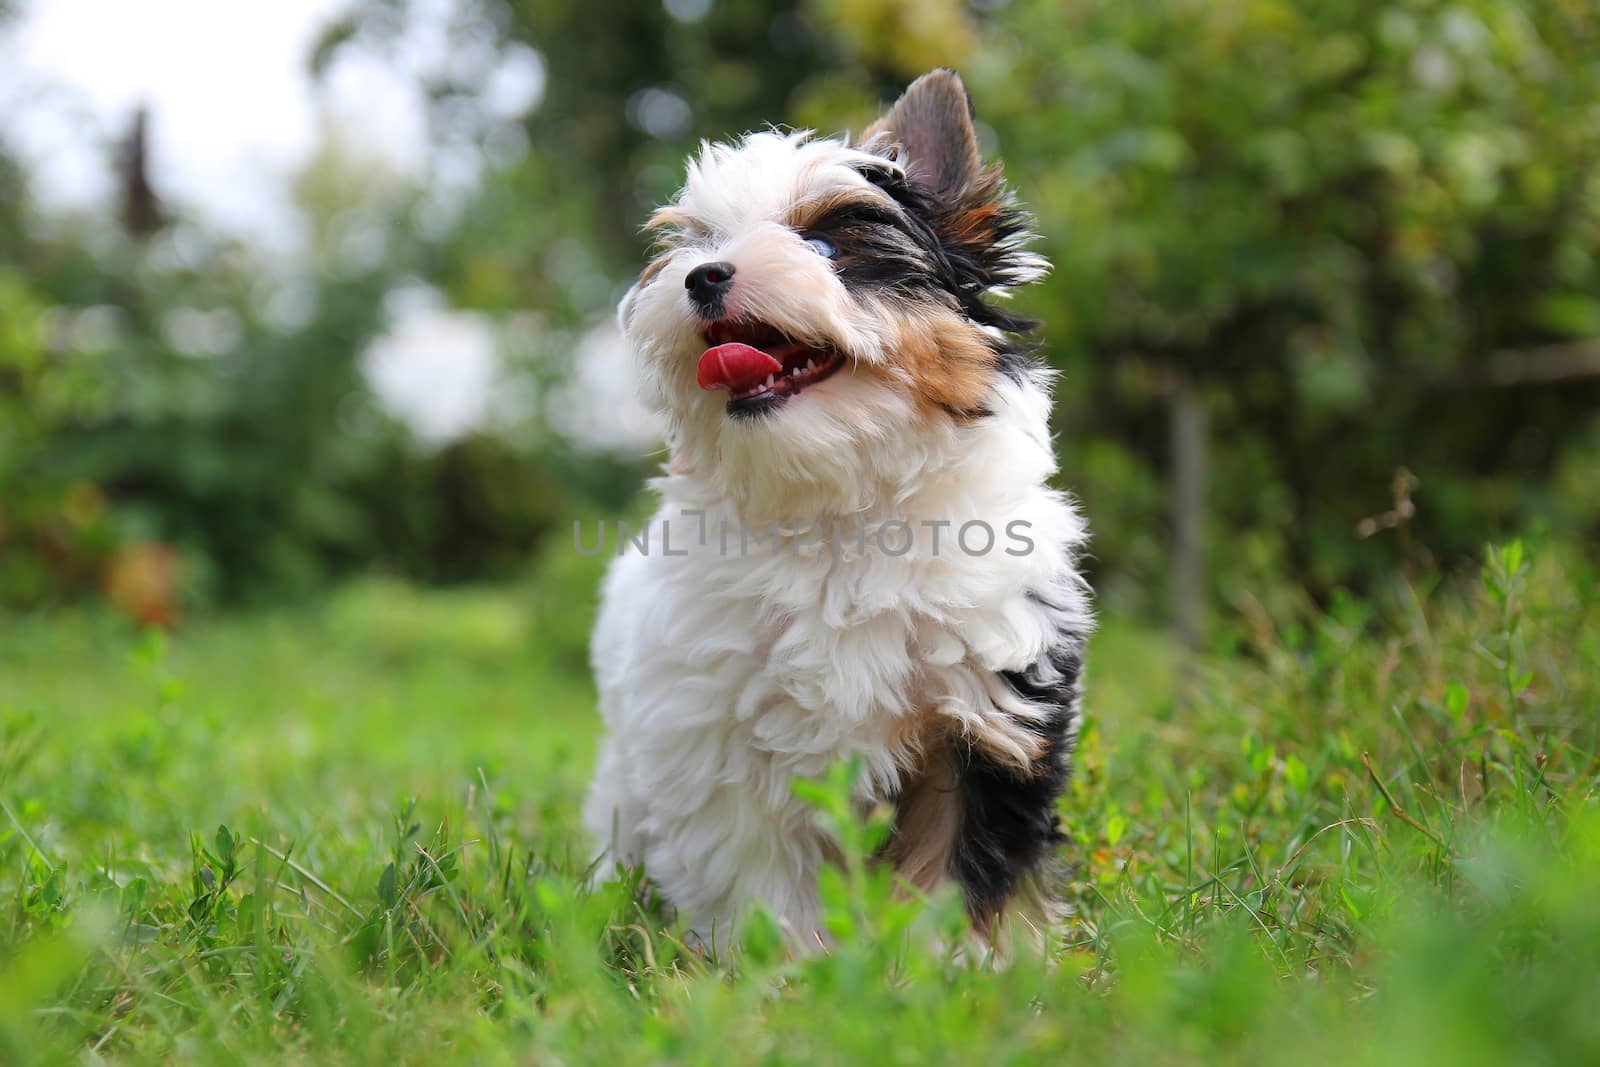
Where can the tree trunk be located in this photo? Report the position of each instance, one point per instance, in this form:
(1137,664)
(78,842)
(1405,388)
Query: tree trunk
(1189,432)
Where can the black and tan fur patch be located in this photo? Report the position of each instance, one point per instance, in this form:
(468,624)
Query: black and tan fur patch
(940,236)
(978,809)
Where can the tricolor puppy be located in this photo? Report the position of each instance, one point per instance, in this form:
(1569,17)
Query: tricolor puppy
(856,553)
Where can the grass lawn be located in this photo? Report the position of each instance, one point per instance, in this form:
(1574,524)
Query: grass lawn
(349,833)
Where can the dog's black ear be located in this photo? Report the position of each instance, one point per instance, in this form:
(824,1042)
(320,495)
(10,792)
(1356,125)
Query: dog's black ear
(929,132)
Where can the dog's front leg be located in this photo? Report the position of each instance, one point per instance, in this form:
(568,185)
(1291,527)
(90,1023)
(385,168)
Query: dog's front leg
(737,849)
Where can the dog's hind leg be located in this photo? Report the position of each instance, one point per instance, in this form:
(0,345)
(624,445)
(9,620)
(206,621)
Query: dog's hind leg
(979,809)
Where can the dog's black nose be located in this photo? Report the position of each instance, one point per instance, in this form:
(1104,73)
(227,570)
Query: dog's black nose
(709,283)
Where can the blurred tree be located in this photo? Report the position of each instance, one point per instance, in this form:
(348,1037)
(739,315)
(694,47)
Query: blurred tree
(141,210)
(180,420)
(1321,215)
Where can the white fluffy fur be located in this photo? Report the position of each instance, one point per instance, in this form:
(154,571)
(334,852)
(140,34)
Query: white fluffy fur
(724,676)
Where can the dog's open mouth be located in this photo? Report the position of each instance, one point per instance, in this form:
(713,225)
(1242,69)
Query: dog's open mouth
(760,367)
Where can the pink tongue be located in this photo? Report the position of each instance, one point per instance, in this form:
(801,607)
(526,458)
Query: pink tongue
(735,366)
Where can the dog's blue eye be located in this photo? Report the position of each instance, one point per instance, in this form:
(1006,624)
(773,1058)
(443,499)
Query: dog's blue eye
(822,247)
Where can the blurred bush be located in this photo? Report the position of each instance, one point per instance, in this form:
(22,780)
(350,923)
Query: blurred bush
(253,463)
(1347,224)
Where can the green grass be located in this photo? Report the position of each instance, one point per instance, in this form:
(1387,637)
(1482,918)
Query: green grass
(349,834)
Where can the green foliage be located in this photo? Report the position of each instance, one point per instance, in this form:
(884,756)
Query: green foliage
(1372,839)
(1333,216)
(184,421)
(264,461)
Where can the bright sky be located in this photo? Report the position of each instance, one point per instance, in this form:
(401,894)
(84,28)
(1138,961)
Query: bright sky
(233,110)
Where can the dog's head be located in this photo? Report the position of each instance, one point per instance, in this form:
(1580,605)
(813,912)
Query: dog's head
(820,311)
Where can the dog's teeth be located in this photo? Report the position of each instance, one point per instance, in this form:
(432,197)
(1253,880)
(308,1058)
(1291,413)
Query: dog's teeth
(769,381)
(811,365)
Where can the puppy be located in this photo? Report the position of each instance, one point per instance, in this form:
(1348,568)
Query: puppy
(856,552)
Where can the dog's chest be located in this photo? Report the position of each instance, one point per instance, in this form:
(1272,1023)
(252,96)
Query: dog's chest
(808,655)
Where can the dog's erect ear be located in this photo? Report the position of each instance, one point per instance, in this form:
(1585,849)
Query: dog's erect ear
(929,133)
(932,125)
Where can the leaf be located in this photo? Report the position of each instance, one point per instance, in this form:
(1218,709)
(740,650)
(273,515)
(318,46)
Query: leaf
(1296,774)
(1572,314)
(762,939)
(812,792)
(387,887)
(225,842)
(1455,700)
(133,895)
